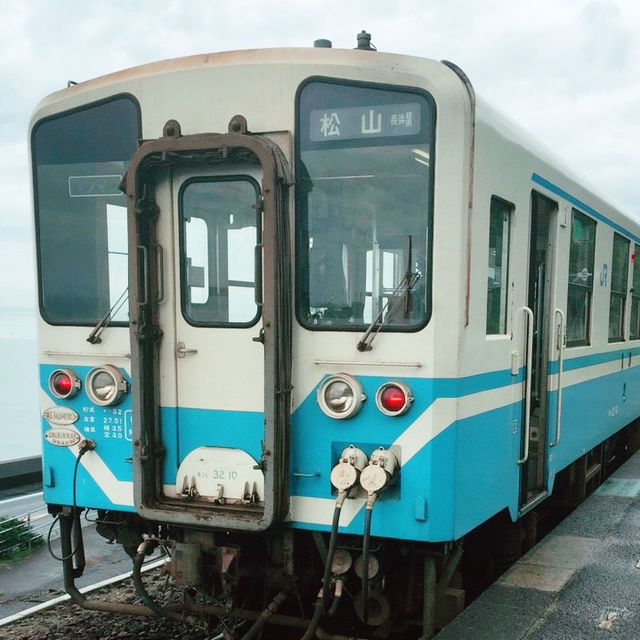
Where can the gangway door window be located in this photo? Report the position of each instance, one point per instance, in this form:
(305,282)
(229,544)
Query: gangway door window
(219,234)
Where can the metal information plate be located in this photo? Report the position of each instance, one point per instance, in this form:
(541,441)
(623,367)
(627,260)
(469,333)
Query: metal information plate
(354,123)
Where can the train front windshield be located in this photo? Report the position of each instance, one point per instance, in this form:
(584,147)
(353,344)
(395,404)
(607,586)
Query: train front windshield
(80,158)
(364,167)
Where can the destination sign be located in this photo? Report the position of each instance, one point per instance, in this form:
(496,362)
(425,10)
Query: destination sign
(355,123)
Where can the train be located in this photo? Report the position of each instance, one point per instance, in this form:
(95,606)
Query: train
(312,322)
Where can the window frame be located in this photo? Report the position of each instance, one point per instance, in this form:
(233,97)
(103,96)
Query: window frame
(507,208)
(635,294)
(620,295)
(300,200)
(235,177)
(44,314)
(588,289)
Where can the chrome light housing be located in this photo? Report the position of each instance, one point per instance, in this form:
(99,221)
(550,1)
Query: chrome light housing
(105,385)
(340,396)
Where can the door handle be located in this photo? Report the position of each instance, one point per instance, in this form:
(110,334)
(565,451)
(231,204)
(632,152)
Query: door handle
(528,314)
(560,339)
(182,351)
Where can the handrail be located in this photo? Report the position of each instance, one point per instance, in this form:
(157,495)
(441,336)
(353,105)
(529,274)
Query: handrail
(560,338)
(527,394)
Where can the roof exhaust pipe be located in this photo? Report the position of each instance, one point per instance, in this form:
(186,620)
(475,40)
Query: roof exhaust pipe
(364,41)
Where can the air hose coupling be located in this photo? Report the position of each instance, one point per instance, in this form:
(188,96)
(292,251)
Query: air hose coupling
(346,473)
(380,472)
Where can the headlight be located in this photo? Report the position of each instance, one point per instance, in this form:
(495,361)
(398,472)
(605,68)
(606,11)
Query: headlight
(105,385)
(340,396)
(64,383)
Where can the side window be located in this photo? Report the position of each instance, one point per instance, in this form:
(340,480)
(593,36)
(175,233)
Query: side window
(619,279)
(580,291)
(635,295)
(498,267)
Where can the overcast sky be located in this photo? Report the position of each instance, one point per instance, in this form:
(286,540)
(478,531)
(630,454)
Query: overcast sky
(567,70)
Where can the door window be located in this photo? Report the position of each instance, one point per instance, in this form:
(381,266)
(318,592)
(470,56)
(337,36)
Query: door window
(219,233)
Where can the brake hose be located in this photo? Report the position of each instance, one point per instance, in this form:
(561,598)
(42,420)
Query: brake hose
(136,576)
(333,539)
(371,499)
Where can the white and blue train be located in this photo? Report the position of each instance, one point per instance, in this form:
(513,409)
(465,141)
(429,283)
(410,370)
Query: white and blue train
(316,350)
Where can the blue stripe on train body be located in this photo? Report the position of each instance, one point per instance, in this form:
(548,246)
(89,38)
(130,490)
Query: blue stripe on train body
(457,480)
(110,427)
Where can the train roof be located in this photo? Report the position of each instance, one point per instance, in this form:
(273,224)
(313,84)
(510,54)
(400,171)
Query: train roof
(486,114)
(489,115)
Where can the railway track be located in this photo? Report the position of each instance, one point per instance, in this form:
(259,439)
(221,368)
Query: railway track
(60,619)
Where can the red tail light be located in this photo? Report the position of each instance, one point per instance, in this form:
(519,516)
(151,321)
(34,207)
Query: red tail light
(394,398)
(64,383)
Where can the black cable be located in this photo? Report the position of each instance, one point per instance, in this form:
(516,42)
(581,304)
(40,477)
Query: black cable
(146,598)
(337,595)
(262,619)
(60,558)
(333,539)
(366,538)
(365,565)
(315,621)
(75,478)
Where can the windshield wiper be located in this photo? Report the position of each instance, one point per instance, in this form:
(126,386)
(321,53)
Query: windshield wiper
(94,336)
(393,302)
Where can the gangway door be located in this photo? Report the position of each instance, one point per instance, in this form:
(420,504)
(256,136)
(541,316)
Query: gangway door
(211,328)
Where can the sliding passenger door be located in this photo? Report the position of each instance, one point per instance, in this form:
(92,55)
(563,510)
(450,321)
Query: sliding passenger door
(542,320)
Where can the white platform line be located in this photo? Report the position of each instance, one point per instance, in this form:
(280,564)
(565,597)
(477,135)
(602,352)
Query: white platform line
(19,498)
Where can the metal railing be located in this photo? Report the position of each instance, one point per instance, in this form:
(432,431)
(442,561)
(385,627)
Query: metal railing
(24,531)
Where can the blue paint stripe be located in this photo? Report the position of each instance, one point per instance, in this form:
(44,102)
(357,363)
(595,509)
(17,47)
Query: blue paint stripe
(487,381)
(582,206)
(581,362)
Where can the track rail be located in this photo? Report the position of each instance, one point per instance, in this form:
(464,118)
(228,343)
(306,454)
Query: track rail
(25,613)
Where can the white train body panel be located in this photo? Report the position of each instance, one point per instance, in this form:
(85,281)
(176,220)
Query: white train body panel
(460,443)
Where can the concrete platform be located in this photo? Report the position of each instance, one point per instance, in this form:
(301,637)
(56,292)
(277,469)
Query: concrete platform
(581,582)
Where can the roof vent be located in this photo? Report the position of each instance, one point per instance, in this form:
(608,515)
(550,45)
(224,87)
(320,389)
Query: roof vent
(322,44)
(364,41)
